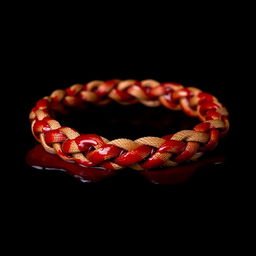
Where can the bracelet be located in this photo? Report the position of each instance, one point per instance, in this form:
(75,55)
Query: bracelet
(92,150)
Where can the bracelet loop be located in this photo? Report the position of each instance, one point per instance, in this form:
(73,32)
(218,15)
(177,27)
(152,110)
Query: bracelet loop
(143,153)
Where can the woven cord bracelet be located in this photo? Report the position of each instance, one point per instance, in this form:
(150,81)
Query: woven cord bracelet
(144,153)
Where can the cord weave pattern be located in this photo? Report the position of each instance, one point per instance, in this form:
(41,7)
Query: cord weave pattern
(144,153)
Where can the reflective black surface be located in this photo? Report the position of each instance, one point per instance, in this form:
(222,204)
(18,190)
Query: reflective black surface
(134,121)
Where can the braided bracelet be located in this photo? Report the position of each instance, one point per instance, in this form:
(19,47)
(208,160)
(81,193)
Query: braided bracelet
(144,153)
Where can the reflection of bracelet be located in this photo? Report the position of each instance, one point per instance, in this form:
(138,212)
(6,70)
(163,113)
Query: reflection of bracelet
(143,153)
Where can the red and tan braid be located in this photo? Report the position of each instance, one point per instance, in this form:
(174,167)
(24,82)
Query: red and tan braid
(143,153)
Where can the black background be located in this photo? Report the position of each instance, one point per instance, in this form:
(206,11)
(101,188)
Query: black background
(212,71)
(202,51)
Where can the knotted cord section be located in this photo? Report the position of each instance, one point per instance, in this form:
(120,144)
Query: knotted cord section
(143,153)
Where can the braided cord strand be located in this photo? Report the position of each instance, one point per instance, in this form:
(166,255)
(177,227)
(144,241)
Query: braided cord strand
(144,153)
